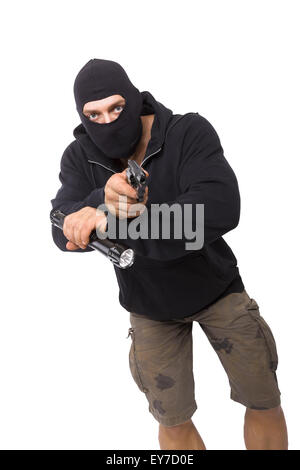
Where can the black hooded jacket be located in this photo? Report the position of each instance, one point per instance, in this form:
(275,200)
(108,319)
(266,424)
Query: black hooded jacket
(186,164)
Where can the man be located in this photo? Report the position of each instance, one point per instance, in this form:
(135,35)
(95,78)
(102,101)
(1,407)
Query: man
(169,287)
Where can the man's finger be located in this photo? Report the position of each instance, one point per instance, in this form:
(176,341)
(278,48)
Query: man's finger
(116,198)
(125,189)
(72,246)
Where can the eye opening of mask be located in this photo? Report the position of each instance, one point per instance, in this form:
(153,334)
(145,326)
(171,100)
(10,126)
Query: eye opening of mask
(125,108)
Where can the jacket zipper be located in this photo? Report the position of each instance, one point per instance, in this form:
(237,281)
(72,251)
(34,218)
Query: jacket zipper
(150,156)
(110,169)
(97,163)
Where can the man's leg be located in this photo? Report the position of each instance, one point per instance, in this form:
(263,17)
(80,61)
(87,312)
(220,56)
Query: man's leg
(265,429)
(247,350)
(161,364)
(183,436)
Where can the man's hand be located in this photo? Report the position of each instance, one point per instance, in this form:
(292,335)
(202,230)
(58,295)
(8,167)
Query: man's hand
(79,225)
(120,196)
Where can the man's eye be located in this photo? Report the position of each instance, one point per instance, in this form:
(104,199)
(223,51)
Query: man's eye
(90,115)
(120,106)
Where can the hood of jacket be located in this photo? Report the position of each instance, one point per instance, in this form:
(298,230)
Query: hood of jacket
(162,117)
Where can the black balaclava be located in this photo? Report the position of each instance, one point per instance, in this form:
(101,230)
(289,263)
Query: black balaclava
(99,79)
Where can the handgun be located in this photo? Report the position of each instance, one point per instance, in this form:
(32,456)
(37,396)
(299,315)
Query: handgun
(137,178)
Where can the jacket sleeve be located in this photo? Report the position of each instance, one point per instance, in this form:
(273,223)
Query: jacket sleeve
(204,177)
(75,193)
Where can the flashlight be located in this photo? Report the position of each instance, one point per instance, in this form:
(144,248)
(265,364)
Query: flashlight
(118,254)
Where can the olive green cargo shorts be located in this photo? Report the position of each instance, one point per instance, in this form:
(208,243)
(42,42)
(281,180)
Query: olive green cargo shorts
(161,357)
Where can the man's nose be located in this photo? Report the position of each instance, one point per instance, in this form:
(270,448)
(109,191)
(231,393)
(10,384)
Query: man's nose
(107,118)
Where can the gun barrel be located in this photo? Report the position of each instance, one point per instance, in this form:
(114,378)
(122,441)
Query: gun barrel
(137,178)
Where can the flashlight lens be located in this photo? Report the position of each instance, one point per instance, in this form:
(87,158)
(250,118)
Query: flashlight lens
(126,258)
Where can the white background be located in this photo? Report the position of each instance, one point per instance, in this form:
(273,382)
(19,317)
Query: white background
(65,379)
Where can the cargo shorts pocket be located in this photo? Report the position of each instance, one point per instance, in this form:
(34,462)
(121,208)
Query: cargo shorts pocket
(133,363)
(265,331)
